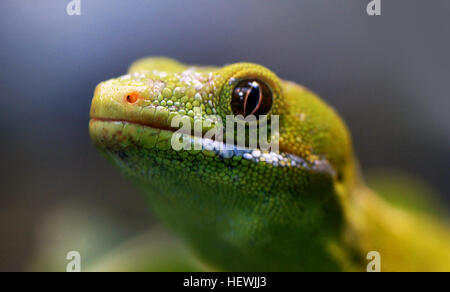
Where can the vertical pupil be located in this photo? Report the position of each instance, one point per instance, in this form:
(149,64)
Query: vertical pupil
(253,98)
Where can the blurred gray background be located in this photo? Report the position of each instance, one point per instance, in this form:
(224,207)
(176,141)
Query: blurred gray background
(388,76)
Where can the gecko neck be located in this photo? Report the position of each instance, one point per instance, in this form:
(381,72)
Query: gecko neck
(405,241)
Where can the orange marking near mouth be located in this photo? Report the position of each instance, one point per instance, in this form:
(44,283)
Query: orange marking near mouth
(133,97)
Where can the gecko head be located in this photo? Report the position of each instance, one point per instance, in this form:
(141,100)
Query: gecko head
(229,190)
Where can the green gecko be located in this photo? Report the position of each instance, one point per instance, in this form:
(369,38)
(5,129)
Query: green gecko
(305,208)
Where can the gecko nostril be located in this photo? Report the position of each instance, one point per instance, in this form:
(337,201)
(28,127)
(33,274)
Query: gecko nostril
(132,97)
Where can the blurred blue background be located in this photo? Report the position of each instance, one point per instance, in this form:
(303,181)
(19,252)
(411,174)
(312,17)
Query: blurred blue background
(388,76)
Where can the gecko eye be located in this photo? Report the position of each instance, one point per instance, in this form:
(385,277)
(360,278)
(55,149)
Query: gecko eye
(251,97)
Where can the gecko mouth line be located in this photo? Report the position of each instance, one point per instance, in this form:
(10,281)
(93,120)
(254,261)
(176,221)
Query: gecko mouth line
(218,131)
(149,125)
(227,151)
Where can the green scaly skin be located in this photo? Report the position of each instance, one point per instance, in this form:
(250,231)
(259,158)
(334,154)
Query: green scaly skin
(305,208)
